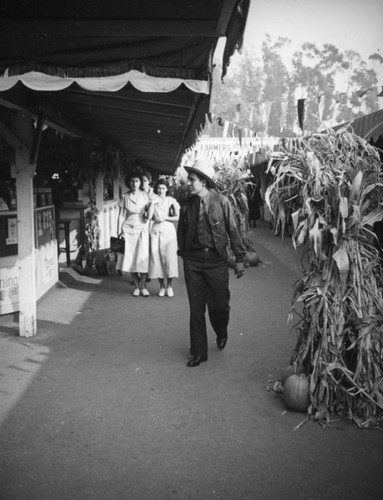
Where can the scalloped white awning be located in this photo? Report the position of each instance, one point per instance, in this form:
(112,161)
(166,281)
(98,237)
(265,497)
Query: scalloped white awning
(142,82)
(134,75)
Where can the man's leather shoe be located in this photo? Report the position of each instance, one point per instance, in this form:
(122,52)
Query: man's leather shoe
(196,361)
(221,342)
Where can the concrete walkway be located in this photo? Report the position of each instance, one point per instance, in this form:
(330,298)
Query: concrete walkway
(100,404)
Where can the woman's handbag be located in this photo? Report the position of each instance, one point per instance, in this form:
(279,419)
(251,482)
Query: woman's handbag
(117,244)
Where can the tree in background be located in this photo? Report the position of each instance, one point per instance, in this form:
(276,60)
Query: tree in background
(260,92)
(236,96)
(276,84)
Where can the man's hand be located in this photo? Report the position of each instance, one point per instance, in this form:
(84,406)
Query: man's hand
(239,269)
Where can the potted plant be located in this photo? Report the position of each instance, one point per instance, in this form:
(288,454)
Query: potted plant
(87,177)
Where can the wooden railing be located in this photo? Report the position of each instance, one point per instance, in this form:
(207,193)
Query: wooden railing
(108,222)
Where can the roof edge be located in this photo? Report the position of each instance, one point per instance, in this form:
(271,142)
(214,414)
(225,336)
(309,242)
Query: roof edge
(234,32)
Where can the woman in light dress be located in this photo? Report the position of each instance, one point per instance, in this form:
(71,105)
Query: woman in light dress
(146,179)
(163,262)
(135,230)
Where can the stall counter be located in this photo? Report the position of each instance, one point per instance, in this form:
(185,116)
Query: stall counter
(46,261)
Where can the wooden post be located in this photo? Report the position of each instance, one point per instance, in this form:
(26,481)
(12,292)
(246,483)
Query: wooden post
(100,191)
(116,180)
(25,227)
(100,205)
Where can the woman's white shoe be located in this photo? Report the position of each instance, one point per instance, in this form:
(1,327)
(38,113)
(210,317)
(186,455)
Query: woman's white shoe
(170,292)
(161,293)
(145,292)
(136,292)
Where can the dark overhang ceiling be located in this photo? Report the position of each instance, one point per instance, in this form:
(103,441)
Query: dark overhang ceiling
(98,39)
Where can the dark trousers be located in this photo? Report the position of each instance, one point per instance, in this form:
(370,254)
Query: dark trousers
(207,283)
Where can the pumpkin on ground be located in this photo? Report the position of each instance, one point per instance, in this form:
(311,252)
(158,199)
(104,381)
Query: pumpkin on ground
(251,259)
(296,392)
(286,372)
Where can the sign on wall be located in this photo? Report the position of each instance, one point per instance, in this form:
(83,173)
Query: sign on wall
(48,264)
(9,287)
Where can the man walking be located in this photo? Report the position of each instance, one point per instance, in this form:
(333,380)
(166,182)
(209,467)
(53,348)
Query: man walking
(206,226)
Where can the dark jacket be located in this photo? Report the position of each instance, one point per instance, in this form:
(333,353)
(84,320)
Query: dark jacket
(222,224)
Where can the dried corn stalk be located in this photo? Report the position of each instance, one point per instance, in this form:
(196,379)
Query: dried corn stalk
(332,189)
(231,181)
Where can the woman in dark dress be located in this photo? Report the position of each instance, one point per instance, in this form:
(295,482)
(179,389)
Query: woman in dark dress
(254,201)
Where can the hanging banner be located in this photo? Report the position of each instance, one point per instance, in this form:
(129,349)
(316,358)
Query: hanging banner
(301,112)
(267,113)
(225,128)
(237,112)
(251,114)
(283,115)
(321,107)
(240,136)
(340,97)
(362,92)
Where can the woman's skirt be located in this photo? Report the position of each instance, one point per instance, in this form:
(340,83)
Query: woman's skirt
(136,256)
(163,262)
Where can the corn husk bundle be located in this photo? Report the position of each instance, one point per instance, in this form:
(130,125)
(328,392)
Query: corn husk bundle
(332,189)
(231,181)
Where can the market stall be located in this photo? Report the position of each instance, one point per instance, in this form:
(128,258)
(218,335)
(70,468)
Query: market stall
(135,78)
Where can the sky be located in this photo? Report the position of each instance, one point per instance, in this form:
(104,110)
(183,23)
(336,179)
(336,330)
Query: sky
(347,24)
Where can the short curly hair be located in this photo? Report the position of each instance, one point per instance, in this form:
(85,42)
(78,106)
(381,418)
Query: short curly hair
(146,174)
(132,175)
(161,181)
